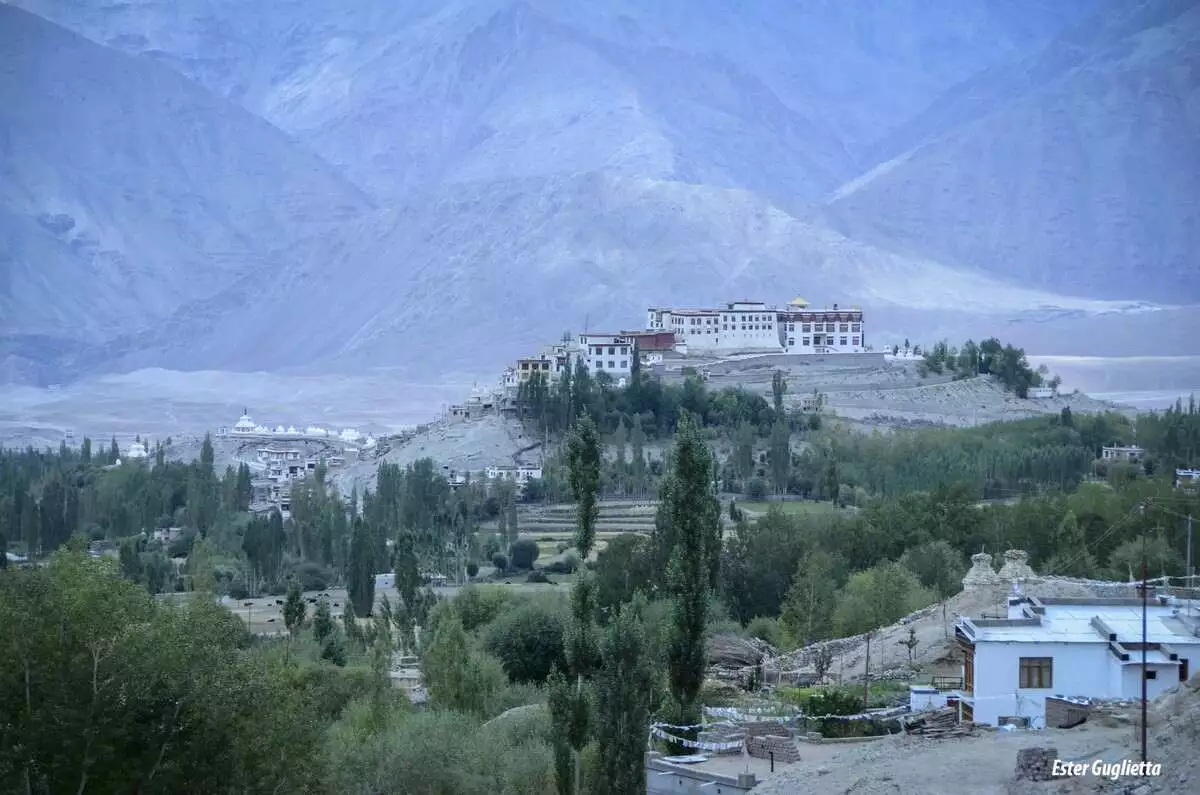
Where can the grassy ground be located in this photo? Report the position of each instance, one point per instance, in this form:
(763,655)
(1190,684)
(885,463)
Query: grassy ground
(788,506)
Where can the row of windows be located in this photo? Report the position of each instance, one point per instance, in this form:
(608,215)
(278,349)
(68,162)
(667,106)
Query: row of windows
(599,364)
(818,327)
(823,340)
(612,350)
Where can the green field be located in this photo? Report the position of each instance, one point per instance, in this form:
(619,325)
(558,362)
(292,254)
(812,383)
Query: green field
(794,507)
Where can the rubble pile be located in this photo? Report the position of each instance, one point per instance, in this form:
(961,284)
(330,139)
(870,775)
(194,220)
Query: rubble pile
(1036,764)
(942,723)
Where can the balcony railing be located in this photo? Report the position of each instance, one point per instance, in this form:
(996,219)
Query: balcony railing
(944,683)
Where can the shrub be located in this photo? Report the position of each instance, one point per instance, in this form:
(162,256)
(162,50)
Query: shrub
(472,569)
(238,591)
(528,640)
(500,562)
(313,576)
(479,605)
(767,629)
(523,553)
(756,488)
(537,577)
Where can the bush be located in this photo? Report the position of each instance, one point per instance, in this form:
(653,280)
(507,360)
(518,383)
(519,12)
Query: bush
(523,553)
(313,576)
(500,562)
(767,629)
(238,591)
(756,488)
(568,565)
(528,640)
(537,577)
(472,569)
(479,605)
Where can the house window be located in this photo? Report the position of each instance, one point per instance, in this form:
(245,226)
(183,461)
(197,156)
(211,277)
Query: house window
(791,342)
(1151,674)
(804,341)
(610,365)
(624,363)
(844,328)
(843,341)
(856,327)
(524,365)
(854,340)
(807,328)
(1037,673)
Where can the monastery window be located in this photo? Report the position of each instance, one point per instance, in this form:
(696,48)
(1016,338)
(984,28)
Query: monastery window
(524,365)
(854,341)
(807,328)
(804,341)
(545,365)
(1036,672)
(624,363)
(844,327)
(791,341)
(624,350)
(611,365)
(856,327)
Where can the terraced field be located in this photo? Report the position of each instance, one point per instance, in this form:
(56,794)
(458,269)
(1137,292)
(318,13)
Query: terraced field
(552,526)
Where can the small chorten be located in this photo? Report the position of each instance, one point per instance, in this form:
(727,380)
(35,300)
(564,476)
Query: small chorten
(1016,567)
(981,575)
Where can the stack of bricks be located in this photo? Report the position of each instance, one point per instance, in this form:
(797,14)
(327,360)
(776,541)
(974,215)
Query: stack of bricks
(758,728)
(1036,764)
(782,749)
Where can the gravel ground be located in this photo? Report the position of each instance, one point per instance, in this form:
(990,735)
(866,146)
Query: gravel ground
(982,765)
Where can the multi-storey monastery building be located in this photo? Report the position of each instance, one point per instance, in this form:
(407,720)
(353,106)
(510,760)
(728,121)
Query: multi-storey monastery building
(755,326)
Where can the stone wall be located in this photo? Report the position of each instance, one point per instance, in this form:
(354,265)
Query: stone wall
(1036,764)
(783,748)
(1062,714)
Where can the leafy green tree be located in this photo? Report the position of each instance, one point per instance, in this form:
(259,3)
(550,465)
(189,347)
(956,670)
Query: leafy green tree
(623,567)
(322,623)
(808,610)
(1072,557)
(523,553)
(457,677)
(294,608)
(624,691)
(877,597)
(937,565)
(528,641)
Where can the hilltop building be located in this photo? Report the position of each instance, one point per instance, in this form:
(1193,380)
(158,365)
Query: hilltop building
(754,326)
(609,353)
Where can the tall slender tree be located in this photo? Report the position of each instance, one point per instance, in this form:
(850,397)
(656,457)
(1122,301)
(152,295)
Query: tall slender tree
(362,570)
(624,691)
(690,517)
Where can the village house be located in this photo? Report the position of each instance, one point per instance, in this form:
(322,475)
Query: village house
(1062,649)
(608,353)
(1131,453)
(1187,479)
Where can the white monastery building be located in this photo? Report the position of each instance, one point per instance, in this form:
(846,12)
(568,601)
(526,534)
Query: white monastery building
(755,326)
(1073,649)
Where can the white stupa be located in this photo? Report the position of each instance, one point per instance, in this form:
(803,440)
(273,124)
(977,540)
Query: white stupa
(279,429)
(244,424)
(370,442)
(136,450)
(292,429)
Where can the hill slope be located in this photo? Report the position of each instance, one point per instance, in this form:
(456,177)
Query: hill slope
(1074,169)
(127,191)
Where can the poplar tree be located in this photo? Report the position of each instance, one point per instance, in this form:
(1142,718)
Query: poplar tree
(624,689)
(362,570)
(689,515)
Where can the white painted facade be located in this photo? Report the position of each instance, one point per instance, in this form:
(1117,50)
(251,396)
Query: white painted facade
(519,474)
(755,326)
(1040,392)
(1093,648)
(1130,453)
(607,353)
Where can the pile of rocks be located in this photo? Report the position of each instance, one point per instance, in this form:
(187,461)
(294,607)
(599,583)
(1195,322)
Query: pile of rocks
(1036,764)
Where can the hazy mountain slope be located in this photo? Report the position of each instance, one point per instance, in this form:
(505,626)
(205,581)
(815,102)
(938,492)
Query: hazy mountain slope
(126,190)
(1076,170)
(442,281)
(772,96)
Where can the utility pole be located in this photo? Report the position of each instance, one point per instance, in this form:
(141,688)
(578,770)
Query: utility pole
(1188,568)
(1145,592)
(867,676)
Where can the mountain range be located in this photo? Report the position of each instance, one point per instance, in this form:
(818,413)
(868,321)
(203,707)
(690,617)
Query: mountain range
(250,186)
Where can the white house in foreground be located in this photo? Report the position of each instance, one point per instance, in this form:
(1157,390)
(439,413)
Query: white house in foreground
(1073,648)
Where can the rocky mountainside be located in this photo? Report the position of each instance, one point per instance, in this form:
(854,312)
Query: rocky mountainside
(298,184)
(126,191)
(1073,170)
